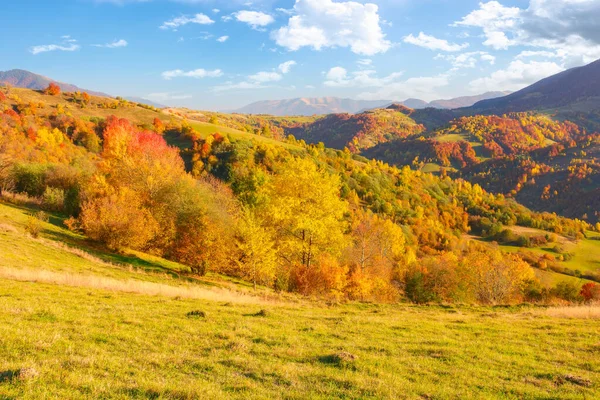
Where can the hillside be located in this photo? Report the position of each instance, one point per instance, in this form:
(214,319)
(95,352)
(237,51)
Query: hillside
(577,89)
(357,132)
(28,80)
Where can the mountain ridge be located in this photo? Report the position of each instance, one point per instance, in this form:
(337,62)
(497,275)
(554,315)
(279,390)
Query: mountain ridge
(334,105)
(576,89)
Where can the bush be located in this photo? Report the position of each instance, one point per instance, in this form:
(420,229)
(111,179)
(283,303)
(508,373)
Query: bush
(30,179)
(34,224)
(53,199)
(567,291)
(416,289)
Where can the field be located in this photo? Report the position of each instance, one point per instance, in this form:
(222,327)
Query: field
(76,322)
(585,253)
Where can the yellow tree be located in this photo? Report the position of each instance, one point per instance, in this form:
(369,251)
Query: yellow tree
(257,256)
(305,209)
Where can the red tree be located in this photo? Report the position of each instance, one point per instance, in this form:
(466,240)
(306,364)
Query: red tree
(53,89)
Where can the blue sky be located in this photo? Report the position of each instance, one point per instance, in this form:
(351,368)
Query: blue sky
(210,54)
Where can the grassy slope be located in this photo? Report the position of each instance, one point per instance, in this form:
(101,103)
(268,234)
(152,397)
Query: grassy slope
(86,342)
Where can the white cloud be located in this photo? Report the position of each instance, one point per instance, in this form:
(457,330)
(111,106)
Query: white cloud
(165,96)
(53,47)
(238,86)
(223,39)
(324,23)
(433,43)
(197,73)
(467,60)
(516,76)
(255,19)
(569,28)
(175,23)
(286,67)
(365,62)
(68,44)
(424,88)
(542,53)
(113,45)
(339,77)
(494,19)
(257,81)
(264,77)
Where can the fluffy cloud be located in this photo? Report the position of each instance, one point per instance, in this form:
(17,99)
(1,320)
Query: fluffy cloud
(175,23)
(113,45)
(259,80)
(324,23)
(166,96)
(339,77)
(255,19)
(568,28)
(264,77)
(433,43)
(467,60)
(286,67)
(425,88)
(67,44)
(516,76)
(197,73)
(223,39)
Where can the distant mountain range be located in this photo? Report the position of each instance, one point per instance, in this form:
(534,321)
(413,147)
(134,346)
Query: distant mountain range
(336,105)
(28,80)
(310,106)
(577,89)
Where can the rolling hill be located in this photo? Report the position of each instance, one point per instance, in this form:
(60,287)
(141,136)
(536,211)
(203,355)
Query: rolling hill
(28,80)
(577,89)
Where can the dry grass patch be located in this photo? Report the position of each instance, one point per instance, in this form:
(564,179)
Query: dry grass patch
(580,312)
(131,286)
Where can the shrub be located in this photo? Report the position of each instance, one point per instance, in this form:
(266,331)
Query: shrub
(30,179)
(53,199)
(416,289)
(118,221)
(34,224)
(53,89)
(590,292)
(567,291)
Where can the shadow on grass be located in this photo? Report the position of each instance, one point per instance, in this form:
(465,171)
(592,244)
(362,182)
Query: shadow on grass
(125,260)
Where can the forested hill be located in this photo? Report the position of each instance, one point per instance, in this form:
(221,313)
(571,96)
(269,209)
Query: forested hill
(281,213)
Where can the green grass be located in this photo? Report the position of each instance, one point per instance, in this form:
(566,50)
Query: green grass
(87,343)
(76,340)
(205,129)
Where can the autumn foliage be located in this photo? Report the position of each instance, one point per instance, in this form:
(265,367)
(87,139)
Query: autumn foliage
(53,89)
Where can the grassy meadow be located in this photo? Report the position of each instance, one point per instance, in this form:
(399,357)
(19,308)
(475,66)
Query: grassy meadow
(76,322)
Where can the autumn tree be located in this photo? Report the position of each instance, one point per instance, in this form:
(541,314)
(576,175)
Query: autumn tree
(53,89)
(257,255)
(86,98)
(118,220)
(306,212)
(6,177)
(159,126)
(590,291)
(497,278)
